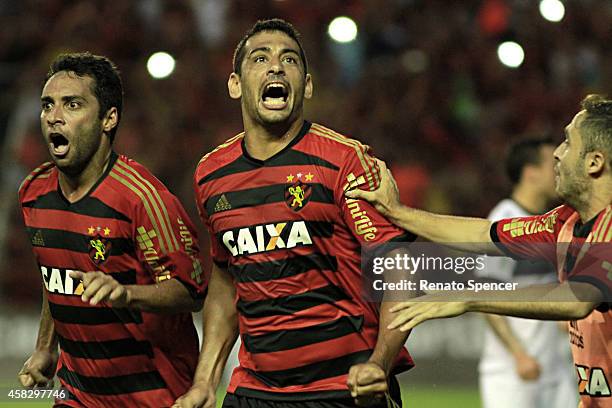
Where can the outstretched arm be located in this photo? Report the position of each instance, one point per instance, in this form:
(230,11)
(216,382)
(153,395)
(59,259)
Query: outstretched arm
(464,233)
(555,301)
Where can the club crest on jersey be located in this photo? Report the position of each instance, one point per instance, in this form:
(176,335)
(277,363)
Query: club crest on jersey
(99,247)
(297,192)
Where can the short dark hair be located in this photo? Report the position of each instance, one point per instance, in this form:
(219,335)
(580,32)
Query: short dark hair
(107,88)
(523,153)
(597,125)
(274,24)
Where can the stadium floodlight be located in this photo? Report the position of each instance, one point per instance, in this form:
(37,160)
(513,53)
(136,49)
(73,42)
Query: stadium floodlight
(160,65)
(342,29)
(511,54)
(552,10)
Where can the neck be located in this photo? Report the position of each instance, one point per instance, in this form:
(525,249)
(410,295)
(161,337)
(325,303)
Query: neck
(596,199)
(263,142)
(74,187)
(529,199)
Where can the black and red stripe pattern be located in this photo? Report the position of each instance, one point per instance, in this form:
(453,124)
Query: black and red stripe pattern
(129,226)
(291,241)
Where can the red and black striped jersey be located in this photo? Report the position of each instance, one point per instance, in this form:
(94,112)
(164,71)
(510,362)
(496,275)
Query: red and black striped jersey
(130,226)
(291,241)
(582,253)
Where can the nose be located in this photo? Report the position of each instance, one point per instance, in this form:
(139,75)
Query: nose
(275,66)
(556,153)
(54,116)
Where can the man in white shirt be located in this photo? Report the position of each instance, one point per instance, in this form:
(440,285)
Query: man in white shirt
(526,363)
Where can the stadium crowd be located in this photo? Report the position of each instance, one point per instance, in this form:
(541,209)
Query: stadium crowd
(422,85)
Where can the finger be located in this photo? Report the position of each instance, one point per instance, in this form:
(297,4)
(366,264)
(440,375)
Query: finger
(374,388)
(117,293)
(413,323)
(402,318)
(358,194)
(102,294)
(367,377)
(26,380)
(38,377)
(402,306)
(381,164)
(77,275)
(352,380)
(92,287)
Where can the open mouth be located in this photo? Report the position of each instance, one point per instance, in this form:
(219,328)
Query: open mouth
(59,144)
(275,96)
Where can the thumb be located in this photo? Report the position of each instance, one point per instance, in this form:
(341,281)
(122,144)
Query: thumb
(26,380)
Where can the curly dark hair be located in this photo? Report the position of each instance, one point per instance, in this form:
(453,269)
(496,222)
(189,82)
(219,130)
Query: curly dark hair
(107,87)
(274,24)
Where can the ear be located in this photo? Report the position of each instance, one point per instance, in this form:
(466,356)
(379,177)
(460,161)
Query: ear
(308,87)
(110,120)
(595,162)
(233,86)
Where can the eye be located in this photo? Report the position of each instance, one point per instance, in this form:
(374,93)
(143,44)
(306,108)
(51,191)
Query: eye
(290,60)
(46,106)
(74,105)
(259,58)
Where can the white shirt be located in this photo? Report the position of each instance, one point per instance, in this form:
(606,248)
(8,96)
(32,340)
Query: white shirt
(543,340)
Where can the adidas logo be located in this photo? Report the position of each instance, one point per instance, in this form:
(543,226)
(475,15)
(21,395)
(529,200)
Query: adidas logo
(37,239)
(222,204)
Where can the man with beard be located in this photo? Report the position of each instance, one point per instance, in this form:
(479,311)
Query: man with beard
(286,248)
(525,363)
(117,253)
(575,237)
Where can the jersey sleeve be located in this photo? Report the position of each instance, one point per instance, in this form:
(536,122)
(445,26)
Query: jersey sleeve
(218,252)
(595,266)
(367,225)
(531,237)
(166,242)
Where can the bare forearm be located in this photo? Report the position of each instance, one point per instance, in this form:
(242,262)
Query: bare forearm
(389,342)
(220,334)
(169,296)
(534,310)
(567,301)
(464,233)
(47,338)
(220,326)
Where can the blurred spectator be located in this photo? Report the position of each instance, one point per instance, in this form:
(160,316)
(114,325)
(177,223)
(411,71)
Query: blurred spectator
(429,96)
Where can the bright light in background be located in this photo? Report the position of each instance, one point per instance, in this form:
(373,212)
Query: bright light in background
(552,10)
(160,65)
(510,54)
(342,30)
